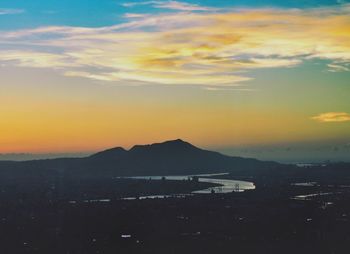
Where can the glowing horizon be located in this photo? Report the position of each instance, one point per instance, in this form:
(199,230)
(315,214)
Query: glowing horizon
(211,73)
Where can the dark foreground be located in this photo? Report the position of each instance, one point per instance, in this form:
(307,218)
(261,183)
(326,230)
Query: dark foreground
(266,220)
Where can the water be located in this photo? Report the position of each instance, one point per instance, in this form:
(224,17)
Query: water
(313,195)
(226,185)
(175,178)
(307,184)
(158,196)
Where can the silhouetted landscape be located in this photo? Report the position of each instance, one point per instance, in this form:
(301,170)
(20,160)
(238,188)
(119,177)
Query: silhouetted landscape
(174,127)
(119,201)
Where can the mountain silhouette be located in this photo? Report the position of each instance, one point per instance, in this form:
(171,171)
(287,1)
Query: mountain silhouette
(110,154)
(172,157)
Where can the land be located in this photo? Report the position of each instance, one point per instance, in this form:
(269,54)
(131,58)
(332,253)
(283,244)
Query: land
(64,209)
(265,220)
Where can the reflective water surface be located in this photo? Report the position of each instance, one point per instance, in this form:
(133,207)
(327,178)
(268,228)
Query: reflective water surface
(226,185)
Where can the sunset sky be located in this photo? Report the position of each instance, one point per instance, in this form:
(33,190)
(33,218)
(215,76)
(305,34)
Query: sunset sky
(235,76)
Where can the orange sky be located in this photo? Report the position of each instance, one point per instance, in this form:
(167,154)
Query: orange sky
(215,78)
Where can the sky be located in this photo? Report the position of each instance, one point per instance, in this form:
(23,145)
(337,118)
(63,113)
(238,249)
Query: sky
(265,79)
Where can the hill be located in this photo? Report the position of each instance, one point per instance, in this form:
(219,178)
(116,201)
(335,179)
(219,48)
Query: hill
(168,158)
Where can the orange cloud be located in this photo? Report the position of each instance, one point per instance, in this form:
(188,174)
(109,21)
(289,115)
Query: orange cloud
(332,117)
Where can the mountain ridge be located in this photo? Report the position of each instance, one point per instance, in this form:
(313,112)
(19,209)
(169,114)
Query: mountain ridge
(172,157)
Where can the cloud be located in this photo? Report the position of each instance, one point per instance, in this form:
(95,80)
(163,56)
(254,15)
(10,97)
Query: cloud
(49,12)
(135,15)
(332,117)
(235,89)
(171,5)
(10,11)
(338,67)
(197,48)
(37,59)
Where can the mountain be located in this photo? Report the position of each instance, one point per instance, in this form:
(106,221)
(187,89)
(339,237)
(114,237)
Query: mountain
(168,158)
(180,157)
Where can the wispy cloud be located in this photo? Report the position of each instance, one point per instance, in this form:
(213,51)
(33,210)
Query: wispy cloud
(171,5)
(235,89)
(338,67)
(332,117)
(197,48)
(135,15)
(49,12)
(10,11)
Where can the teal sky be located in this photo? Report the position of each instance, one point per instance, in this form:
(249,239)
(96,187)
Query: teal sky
(98,13)
(265,79)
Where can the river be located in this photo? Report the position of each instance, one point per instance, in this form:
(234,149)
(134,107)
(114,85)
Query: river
(226,185)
